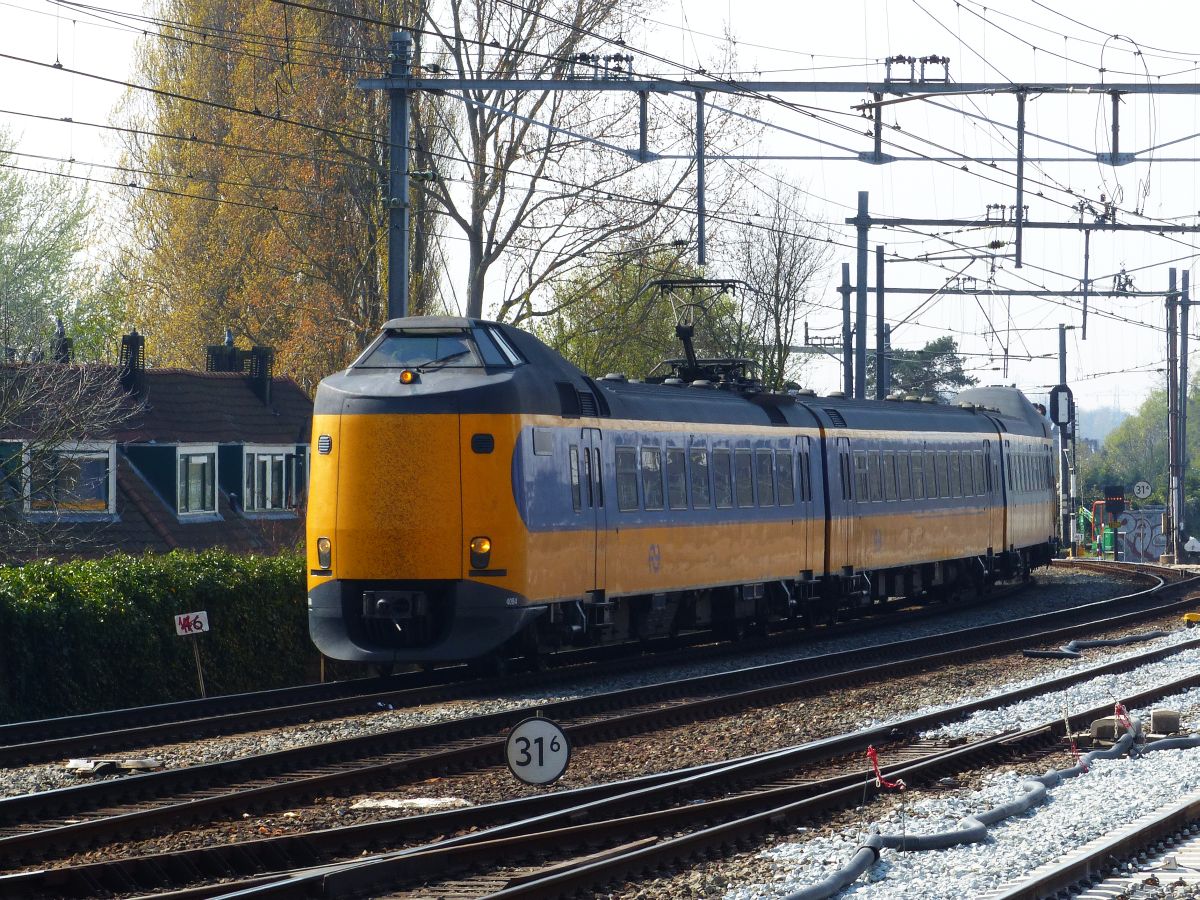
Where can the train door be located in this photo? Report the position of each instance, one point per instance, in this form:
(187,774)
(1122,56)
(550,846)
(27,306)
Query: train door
(804,500)
(992,501)
(839,507)
(594,500)
(1006,489)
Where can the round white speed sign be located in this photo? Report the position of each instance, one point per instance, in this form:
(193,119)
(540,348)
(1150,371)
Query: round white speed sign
(1141,490)
(537,751)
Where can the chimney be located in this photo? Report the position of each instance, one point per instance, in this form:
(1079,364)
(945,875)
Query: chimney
(133,361)
(224,357)
(62,347)
(262,362)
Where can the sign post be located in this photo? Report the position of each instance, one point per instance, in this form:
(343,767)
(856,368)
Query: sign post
(537,751)
(192,625)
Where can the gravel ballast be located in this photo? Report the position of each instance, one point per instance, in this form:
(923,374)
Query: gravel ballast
(1112,794)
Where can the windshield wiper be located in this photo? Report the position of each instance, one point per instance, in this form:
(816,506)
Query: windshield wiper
(442,362)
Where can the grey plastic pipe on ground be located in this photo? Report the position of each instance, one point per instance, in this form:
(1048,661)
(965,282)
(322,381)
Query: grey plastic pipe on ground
(973,829)
(1073,649)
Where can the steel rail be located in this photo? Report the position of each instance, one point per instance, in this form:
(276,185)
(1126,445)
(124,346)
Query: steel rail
(1103,857)
(236,858)
(90,733)
(749,821)
(453,755)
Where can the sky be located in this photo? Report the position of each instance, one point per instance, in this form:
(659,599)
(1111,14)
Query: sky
(1007,42)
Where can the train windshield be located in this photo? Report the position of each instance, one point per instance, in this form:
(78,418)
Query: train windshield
(459,348)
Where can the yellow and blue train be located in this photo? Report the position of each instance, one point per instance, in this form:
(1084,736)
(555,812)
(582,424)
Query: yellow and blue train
(475,495)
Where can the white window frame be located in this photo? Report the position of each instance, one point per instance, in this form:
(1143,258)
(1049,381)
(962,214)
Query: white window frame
(182,450)
(85,449)
(249,452)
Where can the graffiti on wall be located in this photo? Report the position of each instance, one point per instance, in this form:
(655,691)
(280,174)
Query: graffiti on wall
(1144,537)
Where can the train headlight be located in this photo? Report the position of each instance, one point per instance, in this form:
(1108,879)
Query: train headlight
(324,552)
(408,376)
(481,552)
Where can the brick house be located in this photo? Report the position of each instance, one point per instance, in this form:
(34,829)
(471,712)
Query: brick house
(208,459)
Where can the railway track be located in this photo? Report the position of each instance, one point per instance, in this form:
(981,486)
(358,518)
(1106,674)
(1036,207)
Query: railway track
(96,733)
(802,781)
(40,825)
(100,732)
(1157,850)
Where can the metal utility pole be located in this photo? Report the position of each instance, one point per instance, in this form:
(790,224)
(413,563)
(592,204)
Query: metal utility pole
(701,245)
(398,205)
(862,221)
(847,335)
(1066,504)
(1184,303)
(887,355)
(1020,210)
(1173,490)
(881,379)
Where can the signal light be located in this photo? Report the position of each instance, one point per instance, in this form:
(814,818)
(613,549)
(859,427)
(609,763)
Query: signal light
(481,552)
(324,552)
(408,376)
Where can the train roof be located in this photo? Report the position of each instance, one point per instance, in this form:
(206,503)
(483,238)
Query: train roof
(549,384)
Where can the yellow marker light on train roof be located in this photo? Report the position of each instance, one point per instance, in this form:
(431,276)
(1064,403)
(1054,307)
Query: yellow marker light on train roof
(408,376)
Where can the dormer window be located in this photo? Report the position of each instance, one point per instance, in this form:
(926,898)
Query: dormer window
(275,478)
(197,479)
(72,479)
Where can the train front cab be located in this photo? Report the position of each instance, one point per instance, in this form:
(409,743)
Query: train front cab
(410,554)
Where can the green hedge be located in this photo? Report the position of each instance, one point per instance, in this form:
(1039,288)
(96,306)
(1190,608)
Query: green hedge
(100,634)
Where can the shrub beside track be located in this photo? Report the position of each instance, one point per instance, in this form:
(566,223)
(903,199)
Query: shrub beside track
(94,634)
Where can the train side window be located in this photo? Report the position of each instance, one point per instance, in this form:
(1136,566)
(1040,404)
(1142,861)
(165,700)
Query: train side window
(543,442)
(943,474)
(627,493)
(652,485)
(875,471)
(743,477)
(722,478)
(968,474)
(805,481)
(765,473)
(676,478)
(785,475)
(847,481)
(987,465)
(862,481)
(889,476)
(980,472)
(701,498)
(931,479)
(918,475)
(598,477)
(956,482)
(903,476)
(576,498)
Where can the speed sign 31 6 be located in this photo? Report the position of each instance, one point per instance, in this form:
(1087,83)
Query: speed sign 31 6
(537,751)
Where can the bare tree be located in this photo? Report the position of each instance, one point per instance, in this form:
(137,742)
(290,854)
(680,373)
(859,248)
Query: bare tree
(52,420)
(779,258)
(551,177)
